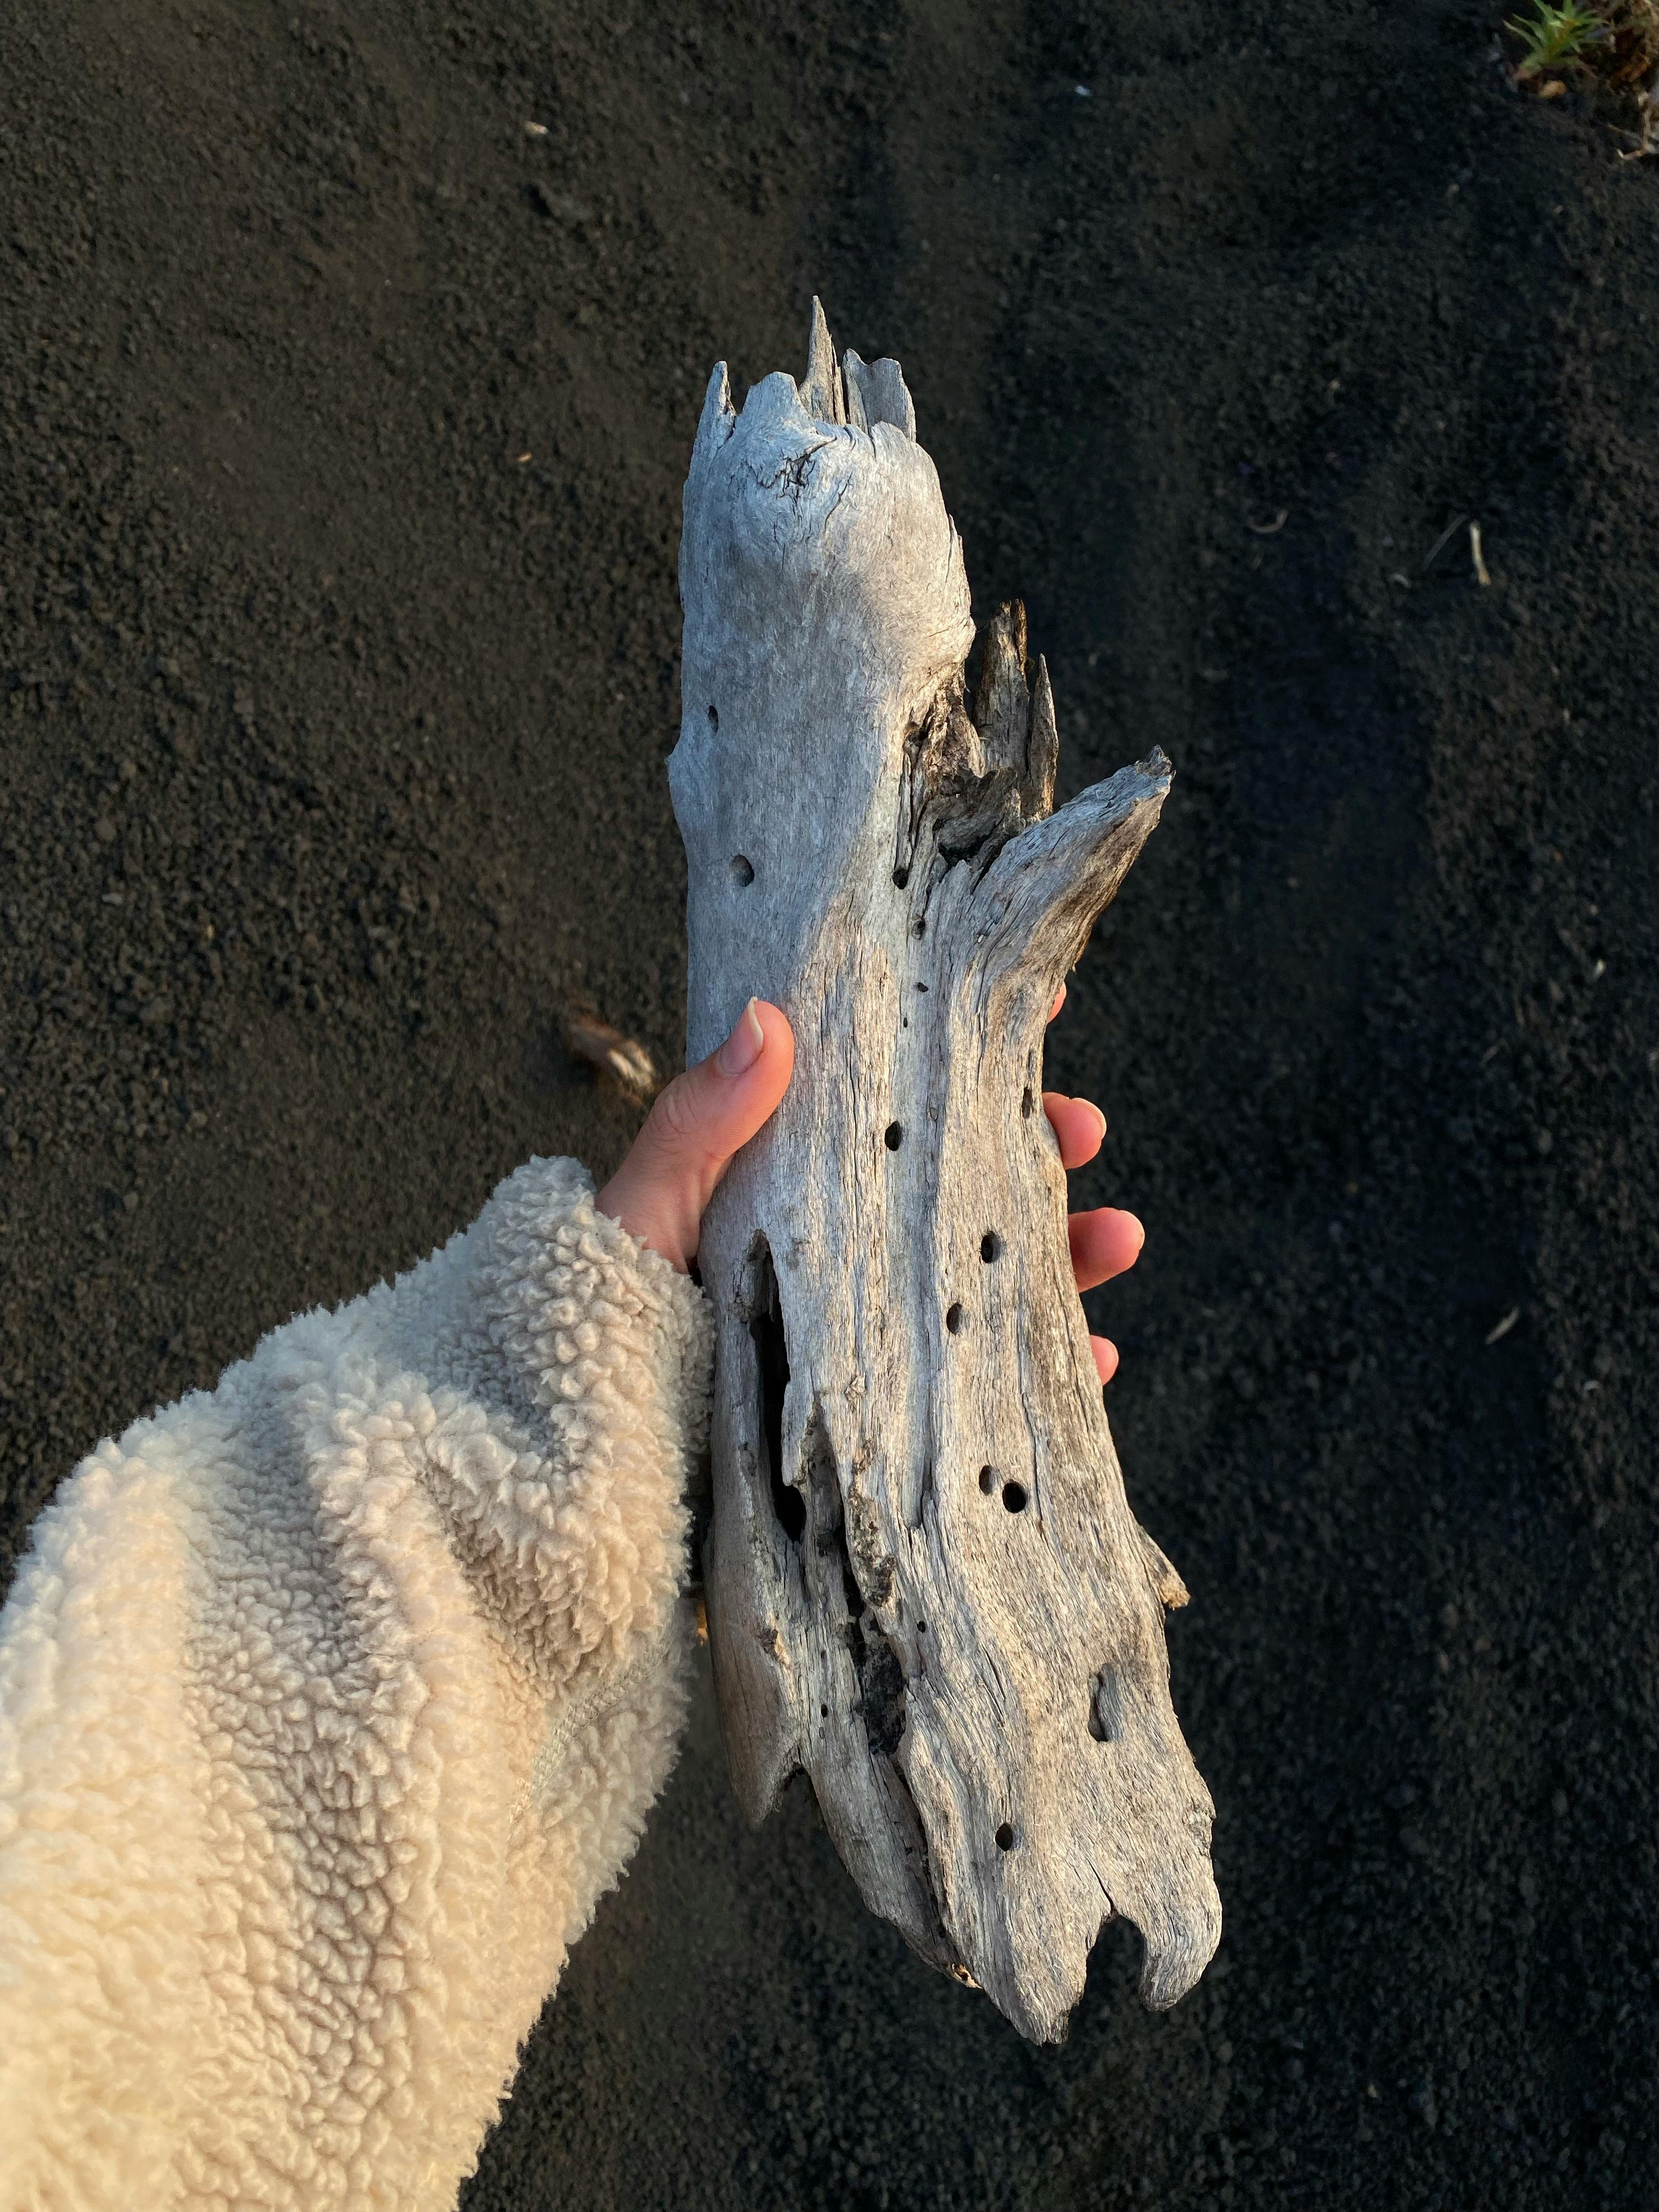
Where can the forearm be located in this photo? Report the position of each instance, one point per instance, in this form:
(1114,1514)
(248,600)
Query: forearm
(419,1653)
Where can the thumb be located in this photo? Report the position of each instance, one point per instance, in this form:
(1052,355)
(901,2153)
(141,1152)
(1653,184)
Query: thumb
(702,1118)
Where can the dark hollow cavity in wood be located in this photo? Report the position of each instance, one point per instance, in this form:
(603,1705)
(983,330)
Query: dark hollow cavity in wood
(772,1366)
(1106,1706)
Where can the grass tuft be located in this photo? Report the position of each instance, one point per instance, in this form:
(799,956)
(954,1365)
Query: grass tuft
(1556,37)
(1606,46)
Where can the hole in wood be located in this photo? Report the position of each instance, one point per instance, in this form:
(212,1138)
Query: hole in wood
(824,1712)
(1013,1497)
(894,1136)
(919,926)
(714,719)
(743,868)
(772,1361)
(954,1317)
(1006,1837)
(901,877)
(1106,1706)
(987,1480)
(990,1247)
(1026,1102)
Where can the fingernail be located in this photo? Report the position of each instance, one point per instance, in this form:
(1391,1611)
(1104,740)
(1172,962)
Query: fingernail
(1098,1116)
(745,1044)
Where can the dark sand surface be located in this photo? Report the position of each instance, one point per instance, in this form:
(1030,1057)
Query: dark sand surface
(333,745)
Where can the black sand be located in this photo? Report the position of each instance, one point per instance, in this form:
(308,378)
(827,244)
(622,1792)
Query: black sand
(333,739)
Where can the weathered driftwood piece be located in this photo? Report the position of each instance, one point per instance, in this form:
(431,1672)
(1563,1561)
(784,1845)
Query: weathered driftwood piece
(925,1584)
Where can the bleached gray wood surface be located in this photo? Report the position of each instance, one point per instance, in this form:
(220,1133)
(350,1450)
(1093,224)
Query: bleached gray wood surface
(925,1584)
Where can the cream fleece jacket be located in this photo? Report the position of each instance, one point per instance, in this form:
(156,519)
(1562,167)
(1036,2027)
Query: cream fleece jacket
(331,1702)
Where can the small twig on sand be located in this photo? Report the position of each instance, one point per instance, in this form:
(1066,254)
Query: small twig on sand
(1443,541)
(615,1059)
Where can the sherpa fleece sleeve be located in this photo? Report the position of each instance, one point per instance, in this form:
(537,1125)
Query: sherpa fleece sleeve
(331,1701)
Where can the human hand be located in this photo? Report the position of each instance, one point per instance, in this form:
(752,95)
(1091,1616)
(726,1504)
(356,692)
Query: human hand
(708,1114)
(698,1124)
(1105,1241)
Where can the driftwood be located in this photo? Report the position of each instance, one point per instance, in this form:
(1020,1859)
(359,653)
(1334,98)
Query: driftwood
(925,1584)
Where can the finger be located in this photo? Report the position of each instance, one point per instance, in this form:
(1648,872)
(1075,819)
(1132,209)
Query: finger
(711,1112)
(1059,1000)
(1103,1243)
(1078,1126)
(702,1118)
(1105,1353)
